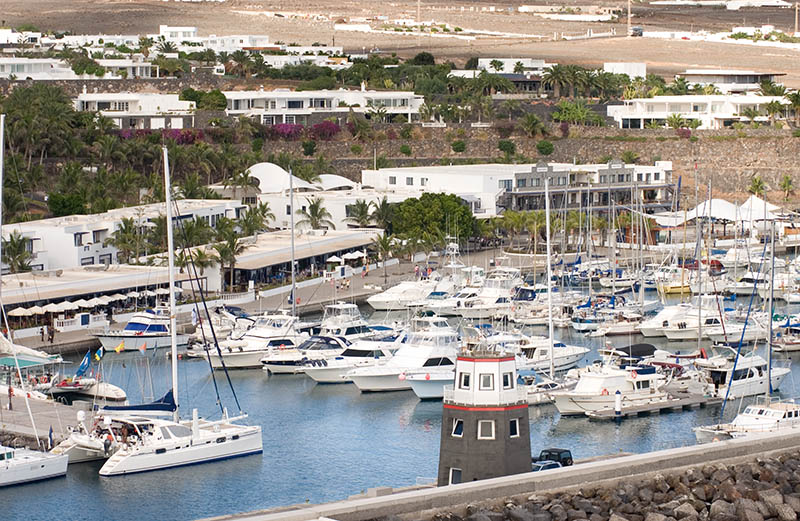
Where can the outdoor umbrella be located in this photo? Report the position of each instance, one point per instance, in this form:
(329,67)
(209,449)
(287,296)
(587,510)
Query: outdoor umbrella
(20,312)
(116,296)
(36,310)
(68,306)
(82,303)
(51,308)
(333,259)
(133,294)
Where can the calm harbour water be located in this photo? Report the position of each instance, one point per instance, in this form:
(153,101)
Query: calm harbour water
(321,443)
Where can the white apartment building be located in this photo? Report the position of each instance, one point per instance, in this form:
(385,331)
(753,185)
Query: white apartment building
(139,110)
(271,107)
(728,80)
(13,37)
(713,111)
(135,67)
(78,240)
(55,69)
(480,185)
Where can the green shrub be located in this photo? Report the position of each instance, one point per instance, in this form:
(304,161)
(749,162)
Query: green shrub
(545,147)
(357,150)
(458,146)
(405,131)
(507,147)
(796,132)
(257,144)
(405,150)
(309,147)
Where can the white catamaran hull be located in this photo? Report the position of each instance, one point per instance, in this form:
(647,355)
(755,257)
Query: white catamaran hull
(244,442)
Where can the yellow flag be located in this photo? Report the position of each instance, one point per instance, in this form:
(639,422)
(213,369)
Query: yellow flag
(120,347)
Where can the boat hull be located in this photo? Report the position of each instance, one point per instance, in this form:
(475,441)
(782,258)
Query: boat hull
(432,389)
(380,383)
(44,466)
(329,375)
(572,404)
(123,462)
(111,341)
(235,359)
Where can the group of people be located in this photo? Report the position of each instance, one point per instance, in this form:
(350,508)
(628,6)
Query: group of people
(51,333)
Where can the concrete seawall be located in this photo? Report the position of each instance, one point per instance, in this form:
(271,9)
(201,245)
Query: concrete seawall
(419,502)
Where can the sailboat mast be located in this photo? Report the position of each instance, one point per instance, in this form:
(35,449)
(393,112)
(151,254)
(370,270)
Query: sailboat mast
(2,166)
(291,221)
(771,304)
(171,268)
(549,272)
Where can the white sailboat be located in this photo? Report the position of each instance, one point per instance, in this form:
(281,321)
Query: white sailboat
(146,444)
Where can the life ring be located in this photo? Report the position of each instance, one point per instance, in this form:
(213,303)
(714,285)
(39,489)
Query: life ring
(604,392)
(634,375)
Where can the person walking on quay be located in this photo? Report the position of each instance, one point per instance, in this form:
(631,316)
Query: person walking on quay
(41,333)
(10,396)
(51,334)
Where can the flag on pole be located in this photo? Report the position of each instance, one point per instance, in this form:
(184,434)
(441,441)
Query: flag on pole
(194,317)
(87,360)
(143,347)
(120,347)
(99,354)
(50,438)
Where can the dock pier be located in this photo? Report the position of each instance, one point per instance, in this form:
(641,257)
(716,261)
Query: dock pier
(674,403)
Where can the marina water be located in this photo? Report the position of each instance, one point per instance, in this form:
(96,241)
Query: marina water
(321,442)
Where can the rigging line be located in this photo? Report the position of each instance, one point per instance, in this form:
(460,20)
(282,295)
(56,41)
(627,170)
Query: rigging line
(193,267)
(741,339)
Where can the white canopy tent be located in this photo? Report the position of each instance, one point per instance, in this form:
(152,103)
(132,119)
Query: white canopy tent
(20,312)
(333,259)
(36,310)
(754,209)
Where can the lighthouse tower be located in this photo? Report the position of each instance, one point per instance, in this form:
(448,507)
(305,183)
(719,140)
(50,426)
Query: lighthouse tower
(485,430)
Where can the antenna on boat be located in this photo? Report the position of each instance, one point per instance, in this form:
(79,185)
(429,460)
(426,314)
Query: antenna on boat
(549,272)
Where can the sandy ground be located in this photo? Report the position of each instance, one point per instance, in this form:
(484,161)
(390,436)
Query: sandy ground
(663,57)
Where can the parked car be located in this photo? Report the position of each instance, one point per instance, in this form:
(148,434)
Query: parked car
(562,456)
(538,466)
(637,31)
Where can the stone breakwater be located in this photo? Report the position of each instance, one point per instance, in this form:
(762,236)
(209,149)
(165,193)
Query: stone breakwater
(764,489)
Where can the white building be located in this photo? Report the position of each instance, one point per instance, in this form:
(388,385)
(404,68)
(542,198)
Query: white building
(632,69)
(530,65)
(55,69)
(729,80)
(13,37)
(78,240)
(139,110)
(304,107)
(339,194)
(480,185)
(713,112)
(135,67)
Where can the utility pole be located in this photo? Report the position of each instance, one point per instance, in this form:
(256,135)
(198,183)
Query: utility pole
(629,17)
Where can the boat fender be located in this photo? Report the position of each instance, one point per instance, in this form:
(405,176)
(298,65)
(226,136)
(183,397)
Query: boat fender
(634,375)
(401,376)
(427,376)
(604,392)
(241,349)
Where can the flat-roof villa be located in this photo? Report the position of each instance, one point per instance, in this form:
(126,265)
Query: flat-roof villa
(137,110)
(712,111)
(56,69)
(271,107)
(729,80)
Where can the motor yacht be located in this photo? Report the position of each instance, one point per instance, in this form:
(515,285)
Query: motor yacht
(598,384)
(748,378)
(149,328)
(763,417)
(362,353)
(425,350)
(295,360)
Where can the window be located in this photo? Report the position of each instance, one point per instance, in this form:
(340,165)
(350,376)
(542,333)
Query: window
(621,178)
(508,381)
(656,176)
(423,181)
(521,183)
(458,428)
(603,178)
(104,259)
(464,381)
(294,104)
(485,429)
(392,180)
(627,177)
(537,182)
(638,177)
(513,428)
(86,261)
(505,184)
(288,209)
(78,238)
(455,476)
(409,181)
(487,382)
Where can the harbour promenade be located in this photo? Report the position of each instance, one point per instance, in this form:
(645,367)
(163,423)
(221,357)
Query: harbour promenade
(711,479)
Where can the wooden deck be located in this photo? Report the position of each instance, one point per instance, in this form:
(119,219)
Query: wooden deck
(676,402)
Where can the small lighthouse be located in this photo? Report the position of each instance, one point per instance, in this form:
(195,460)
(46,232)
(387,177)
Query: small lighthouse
(485,430)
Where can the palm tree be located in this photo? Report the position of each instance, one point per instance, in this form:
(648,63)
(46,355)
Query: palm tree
(532,125)
(787,185)
(629,157)
(202,260)
(382,213)
(496,64)
(751,113)
(251,223)
(229,246)
(676,121)
(757,186)
(773,108)
(555,77)
(770,88)
(243,62)
(385,245)
(794,101)
(519,68)
(126,239)
(194,232)
(15,253)
(510,106)
(164,46)
(359,213)
(315,216)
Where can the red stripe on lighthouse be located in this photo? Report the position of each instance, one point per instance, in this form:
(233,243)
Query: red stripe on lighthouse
(466,408)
